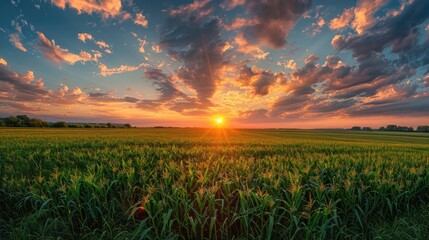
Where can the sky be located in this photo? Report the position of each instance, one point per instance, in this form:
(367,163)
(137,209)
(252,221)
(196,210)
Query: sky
(256,63)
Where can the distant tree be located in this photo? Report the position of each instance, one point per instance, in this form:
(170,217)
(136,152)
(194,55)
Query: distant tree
(2,123)
(89,126)
(34,122)
(367,129)
(13,122)
(109,125)
(382,129)
(423,128)
(25,120)
(127,125)
(60,125)
(391,128)
(356,128)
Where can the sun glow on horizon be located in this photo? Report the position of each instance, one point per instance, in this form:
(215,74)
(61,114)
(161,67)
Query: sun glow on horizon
(219,121)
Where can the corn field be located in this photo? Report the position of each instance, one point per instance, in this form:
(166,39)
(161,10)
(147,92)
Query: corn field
(207,184)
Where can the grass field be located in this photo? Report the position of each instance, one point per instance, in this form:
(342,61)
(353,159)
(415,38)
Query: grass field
(215,184)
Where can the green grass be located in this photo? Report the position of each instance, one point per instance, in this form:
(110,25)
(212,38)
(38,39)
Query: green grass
(213,184)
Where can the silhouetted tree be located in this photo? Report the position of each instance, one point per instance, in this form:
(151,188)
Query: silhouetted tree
(423,128)
(13,122)
(60,124)
(34,122)
(356,128)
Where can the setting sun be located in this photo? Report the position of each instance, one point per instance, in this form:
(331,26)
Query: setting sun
(219,120)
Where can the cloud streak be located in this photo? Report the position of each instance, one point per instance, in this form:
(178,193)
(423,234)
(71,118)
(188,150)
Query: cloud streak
(59,55)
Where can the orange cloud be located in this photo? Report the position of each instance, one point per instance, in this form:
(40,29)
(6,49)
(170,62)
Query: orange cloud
(343,20)
(241,22)
(359,18)
(16,41)
(57,54)
(102,44)
(84,36)
(107,8)
(156,48)
(245,47)
(364,14)
(3,62)
(141,20)
(105,71)
(143,43)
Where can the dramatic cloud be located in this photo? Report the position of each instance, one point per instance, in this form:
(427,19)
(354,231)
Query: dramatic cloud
(248,48)
(274,19)
(105,71)
(16,42)
(170,96)
(141,20)
(59,55)
(398,32)
(20,87)
(107,8)
(359,18)
(196,42)
(165,84)
(364,14)
(255,60)
(415,106)
(288,104)
(259,79)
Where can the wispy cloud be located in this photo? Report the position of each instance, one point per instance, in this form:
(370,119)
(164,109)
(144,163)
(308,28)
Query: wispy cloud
(16,42)
(106,71)
(59,55)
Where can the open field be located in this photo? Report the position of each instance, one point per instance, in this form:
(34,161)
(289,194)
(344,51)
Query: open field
(217,184)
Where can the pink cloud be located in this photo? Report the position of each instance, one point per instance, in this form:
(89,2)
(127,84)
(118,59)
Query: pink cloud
(231,4)
(16,41)
(240,23)
(59,55)
(198,6)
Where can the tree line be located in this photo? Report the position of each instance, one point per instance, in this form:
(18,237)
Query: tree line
(393,128)
(26,121)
